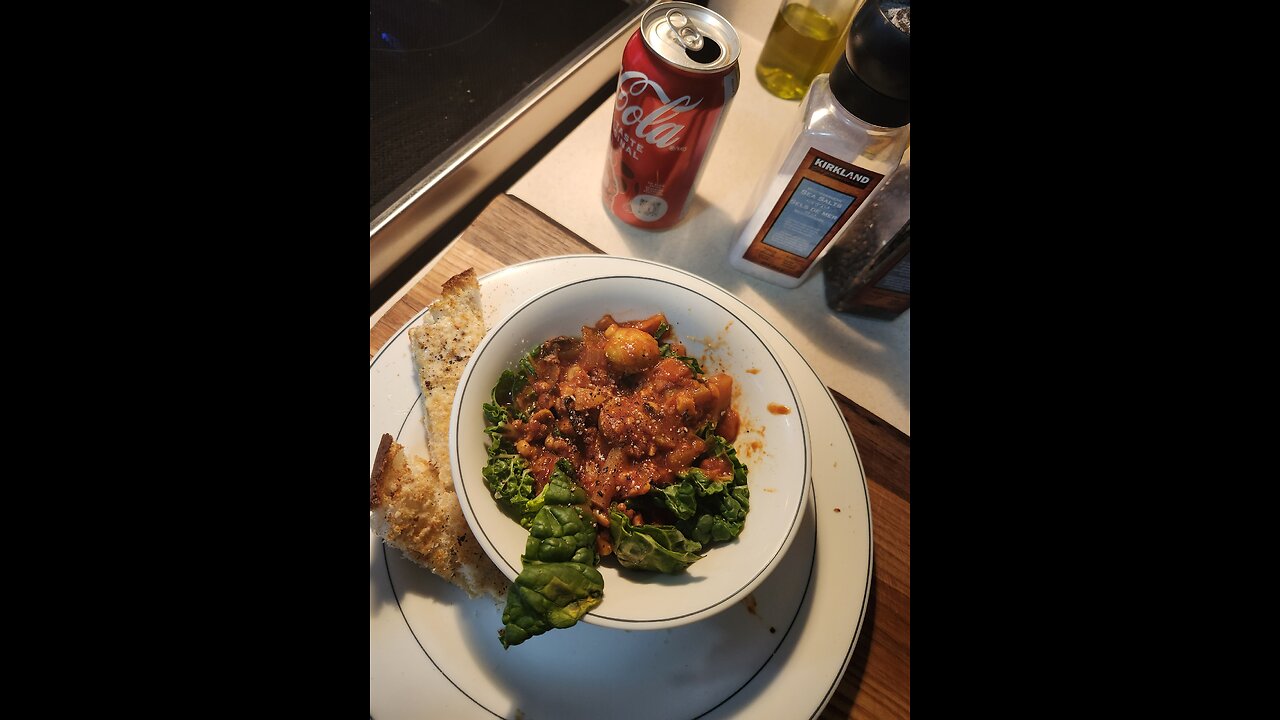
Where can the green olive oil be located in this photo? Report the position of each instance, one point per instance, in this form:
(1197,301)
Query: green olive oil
(802,43)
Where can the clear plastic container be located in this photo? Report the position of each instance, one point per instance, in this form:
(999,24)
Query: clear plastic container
(825,126)
(850,135)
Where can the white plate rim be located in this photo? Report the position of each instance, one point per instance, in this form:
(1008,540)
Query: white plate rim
(803,368)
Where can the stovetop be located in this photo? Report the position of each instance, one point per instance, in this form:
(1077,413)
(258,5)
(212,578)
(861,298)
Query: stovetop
(438,68)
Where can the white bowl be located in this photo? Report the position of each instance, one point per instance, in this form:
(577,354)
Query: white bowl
(713,325)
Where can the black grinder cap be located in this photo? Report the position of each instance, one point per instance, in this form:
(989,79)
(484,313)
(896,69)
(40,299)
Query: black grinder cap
(872,79)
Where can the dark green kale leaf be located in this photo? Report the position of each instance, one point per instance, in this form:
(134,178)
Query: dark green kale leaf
(547,596)
(526,366)
(559,529)
(708,510)
(506,474)
(558,582)
(681,498)
(508,478)
(721,517)
(559,490)
(660,548)
(511,383)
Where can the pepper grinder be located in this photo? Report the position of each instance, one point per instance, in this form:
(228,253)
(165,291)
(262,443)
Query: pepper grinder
(869,273)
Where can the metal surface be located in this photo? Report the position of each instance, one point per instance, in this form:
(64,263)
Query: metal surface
(480,157)
(678,33)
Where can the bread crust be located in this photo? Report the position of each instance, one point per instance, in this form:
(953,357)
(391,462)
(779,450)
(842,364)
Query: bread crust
(441,350)
(415,513)
(412,503)
(380,462)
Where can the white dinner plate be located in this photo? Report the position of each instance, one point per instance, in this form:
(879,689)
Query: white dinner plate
(434,652)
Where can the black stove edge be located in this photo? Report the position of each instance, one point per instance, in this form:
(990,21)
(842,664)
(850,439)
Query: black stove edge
(457,154)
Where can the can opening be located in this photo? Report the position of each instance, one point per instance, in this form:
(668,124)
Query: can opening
(707,54)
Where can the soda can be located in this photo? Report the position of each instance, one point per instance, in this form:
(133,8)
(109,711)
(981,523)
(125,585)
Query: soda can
(679,74)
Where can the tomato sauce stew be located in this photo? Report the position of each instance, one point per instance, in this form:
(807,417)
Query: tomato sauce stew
(627,409)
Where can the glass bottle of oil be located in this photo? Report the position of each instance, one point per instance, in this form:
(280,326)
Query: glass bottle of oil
(806,39)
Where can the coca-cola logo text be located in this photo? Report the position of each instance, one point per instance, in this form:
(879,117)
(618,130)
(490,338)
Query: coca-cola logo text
(656,127)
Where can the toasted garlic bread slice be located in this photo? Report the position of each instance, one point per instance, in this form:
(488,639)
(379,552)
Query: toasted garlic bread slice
(413,510)
(442,345)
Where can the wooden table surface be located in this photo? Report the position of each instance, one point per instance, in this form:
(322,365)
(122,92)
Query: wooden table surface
(878,681)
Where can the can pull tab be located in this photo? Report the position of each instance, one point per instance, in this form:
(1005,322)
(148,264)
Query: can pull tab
(686,34)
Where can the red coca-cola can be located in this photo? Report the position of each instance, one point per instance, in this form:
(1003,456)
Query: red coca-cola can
(679,74)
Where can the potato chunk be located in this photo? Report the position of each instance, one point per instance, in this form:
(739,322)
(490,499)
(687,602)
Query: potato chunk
(630,350)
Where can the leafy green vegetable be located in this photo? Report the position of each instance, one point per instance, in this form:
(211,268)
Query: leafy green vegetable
(558,582)
(507,476)
(667,352)
(719,447)
(496,418)
(560,530)
(708,510)
(661,548)
(720,519)
(526,365)
(562,489)
(546,596)
(511,383)
(680,498)
(508,385)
